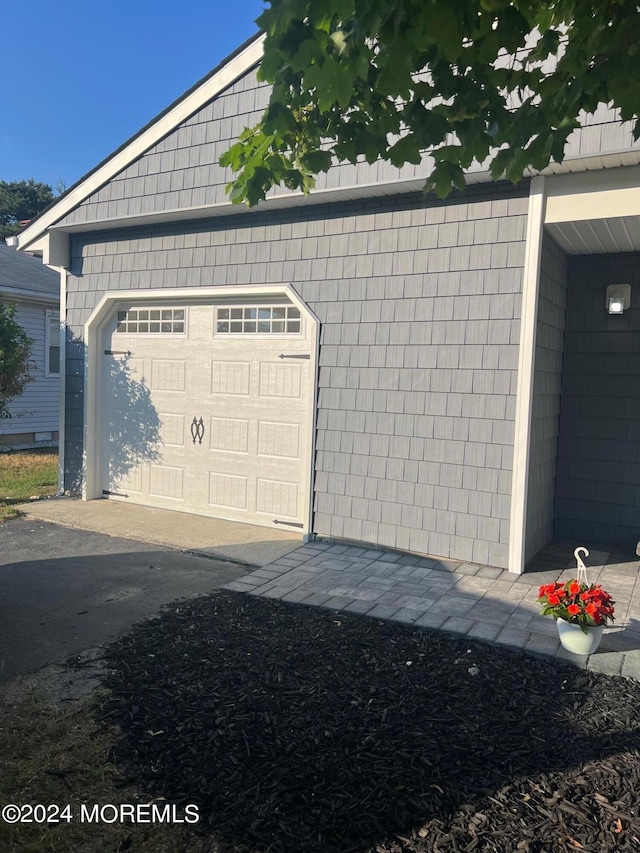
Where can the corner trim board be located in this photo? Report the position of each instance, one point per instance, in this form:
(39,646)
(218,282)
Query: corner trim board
(526,368)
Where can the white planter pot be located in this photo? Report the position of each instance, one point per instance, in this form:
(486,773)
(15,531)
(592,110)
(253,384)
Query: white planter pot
(573,639)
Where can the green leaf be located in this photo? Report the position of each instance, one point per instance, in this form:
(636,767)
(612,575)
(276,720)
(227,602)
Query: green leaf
(316,161)
(343,76)
(331,82)
(405,150)
(444,178)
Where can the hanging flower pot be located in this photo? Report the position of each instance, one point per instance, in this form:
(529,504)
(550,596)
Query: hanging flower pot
(573,638)
(581,612)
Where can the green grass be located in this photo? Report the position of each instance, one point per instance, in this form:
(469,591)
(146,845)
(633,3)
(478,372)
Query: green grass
(25,474)
(60,755)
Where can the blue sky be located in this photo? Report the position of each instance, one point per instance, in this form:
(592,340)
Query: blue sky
(82,76)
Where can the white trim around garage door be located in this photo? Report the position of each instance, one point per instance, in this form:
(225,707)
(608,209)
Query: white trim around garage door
(94,335)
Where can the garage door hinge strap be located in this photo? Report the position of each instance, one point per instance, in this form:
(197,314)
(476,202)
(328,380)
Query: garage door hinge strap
(288,523)
(115,494)
(116,352)
(304,355)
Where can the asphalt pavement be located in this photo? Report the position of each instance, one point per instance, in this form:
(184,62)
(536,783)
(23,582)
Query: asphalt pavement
(66,590)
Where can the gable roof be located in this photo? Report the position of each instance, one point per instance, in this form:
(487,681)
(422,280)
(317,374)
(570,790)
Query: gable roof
(24,277)
(602,143)
(223,75)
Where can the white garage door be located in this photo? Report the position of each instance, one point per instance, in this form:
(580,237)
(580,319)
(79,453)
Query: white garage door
(208,409)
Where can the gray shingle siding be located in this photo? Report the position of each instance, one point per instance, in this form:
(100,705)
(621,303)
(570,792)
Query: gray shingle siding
(601,133)
(182,172)
(545,414)
(418,361)
(598,490)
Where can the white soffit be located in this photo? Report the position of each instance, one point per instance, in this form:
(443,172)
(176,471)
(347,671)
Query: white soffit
(597,236)
(595,212)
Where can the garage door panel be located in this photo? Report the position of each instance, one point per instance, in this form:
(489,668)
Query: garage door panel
(166,482)
(230,377)
(279,439)
(277,498)
(172,429)
(228,491)
(229,434)
(168,374)
(250,412)
(280,380)
(129,481)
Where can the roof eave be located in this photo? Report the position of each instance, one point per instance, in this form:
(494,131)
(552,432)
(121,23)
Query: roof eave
(19,294)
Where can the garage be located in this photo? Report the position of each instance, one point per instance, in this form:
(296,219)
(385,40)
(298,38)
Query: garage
(207,406)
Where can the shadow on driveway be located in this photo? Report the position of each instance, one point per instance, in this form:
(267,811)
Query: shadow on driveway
(63,591)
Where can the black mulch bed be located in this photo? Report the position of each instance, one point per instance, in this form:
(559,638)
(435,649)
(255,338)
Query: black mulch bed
(299,730)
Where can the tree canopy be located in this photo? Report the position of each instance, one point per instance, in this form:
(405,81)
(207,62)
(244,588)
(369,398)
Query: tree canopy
(15,352)
(21,201)
(500,82)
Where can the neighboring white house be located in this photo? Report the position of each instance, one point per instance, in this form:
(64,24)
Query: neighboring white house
(35,290)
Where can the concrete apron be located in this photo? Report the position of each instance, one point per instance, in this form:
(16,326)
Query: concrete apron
(195,534)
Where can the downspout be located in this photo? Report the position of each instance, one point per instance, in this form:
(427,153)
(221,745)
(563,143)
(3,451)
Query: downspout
(63,378)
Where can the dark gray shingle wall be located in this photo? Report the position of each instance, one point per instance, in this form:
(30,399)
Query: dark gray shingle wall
(419,304)
(598,491)
(545,416)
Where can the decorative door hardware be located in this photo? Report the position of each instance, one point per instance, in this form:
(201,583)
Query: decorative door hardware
(304,355)
(197,430)
(288,523)
(117,352)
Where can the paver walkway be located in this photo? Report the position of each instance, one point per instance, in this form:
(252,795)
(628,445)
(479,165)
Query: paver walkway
(463,599)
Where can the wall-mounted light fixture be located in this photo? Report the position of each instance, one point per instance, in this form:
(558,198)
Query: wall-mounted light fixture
(618,298)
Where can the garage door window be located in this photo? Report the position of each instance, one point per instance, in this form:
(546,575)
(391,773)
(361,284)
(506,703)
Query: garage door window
(258,319)
(151,321)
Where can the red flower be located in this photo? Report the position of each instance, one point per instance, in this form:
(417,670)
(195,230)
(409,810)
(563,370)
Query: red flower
(577,602)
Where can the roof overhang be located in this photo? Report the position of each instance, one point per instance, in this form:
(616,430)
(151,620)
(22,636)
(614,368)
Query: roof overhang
(591,168)
(595,212)
(21,294)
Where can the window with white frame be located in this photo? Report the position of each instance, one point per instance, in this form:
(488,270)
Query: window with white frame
(151,321)
(52,344)
(258,319)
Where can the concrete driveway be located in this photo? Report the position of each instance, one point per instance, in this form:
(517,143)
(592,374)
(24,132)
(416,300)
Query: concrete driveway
(66,590)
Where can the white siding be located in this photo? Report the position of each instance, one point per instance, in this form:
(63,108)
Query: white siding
(37,409)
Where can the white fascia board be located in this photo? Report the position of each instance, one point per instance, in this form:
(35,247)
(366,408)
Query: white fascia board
(559,173)
(603,194)
(280,201)
(183,110)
